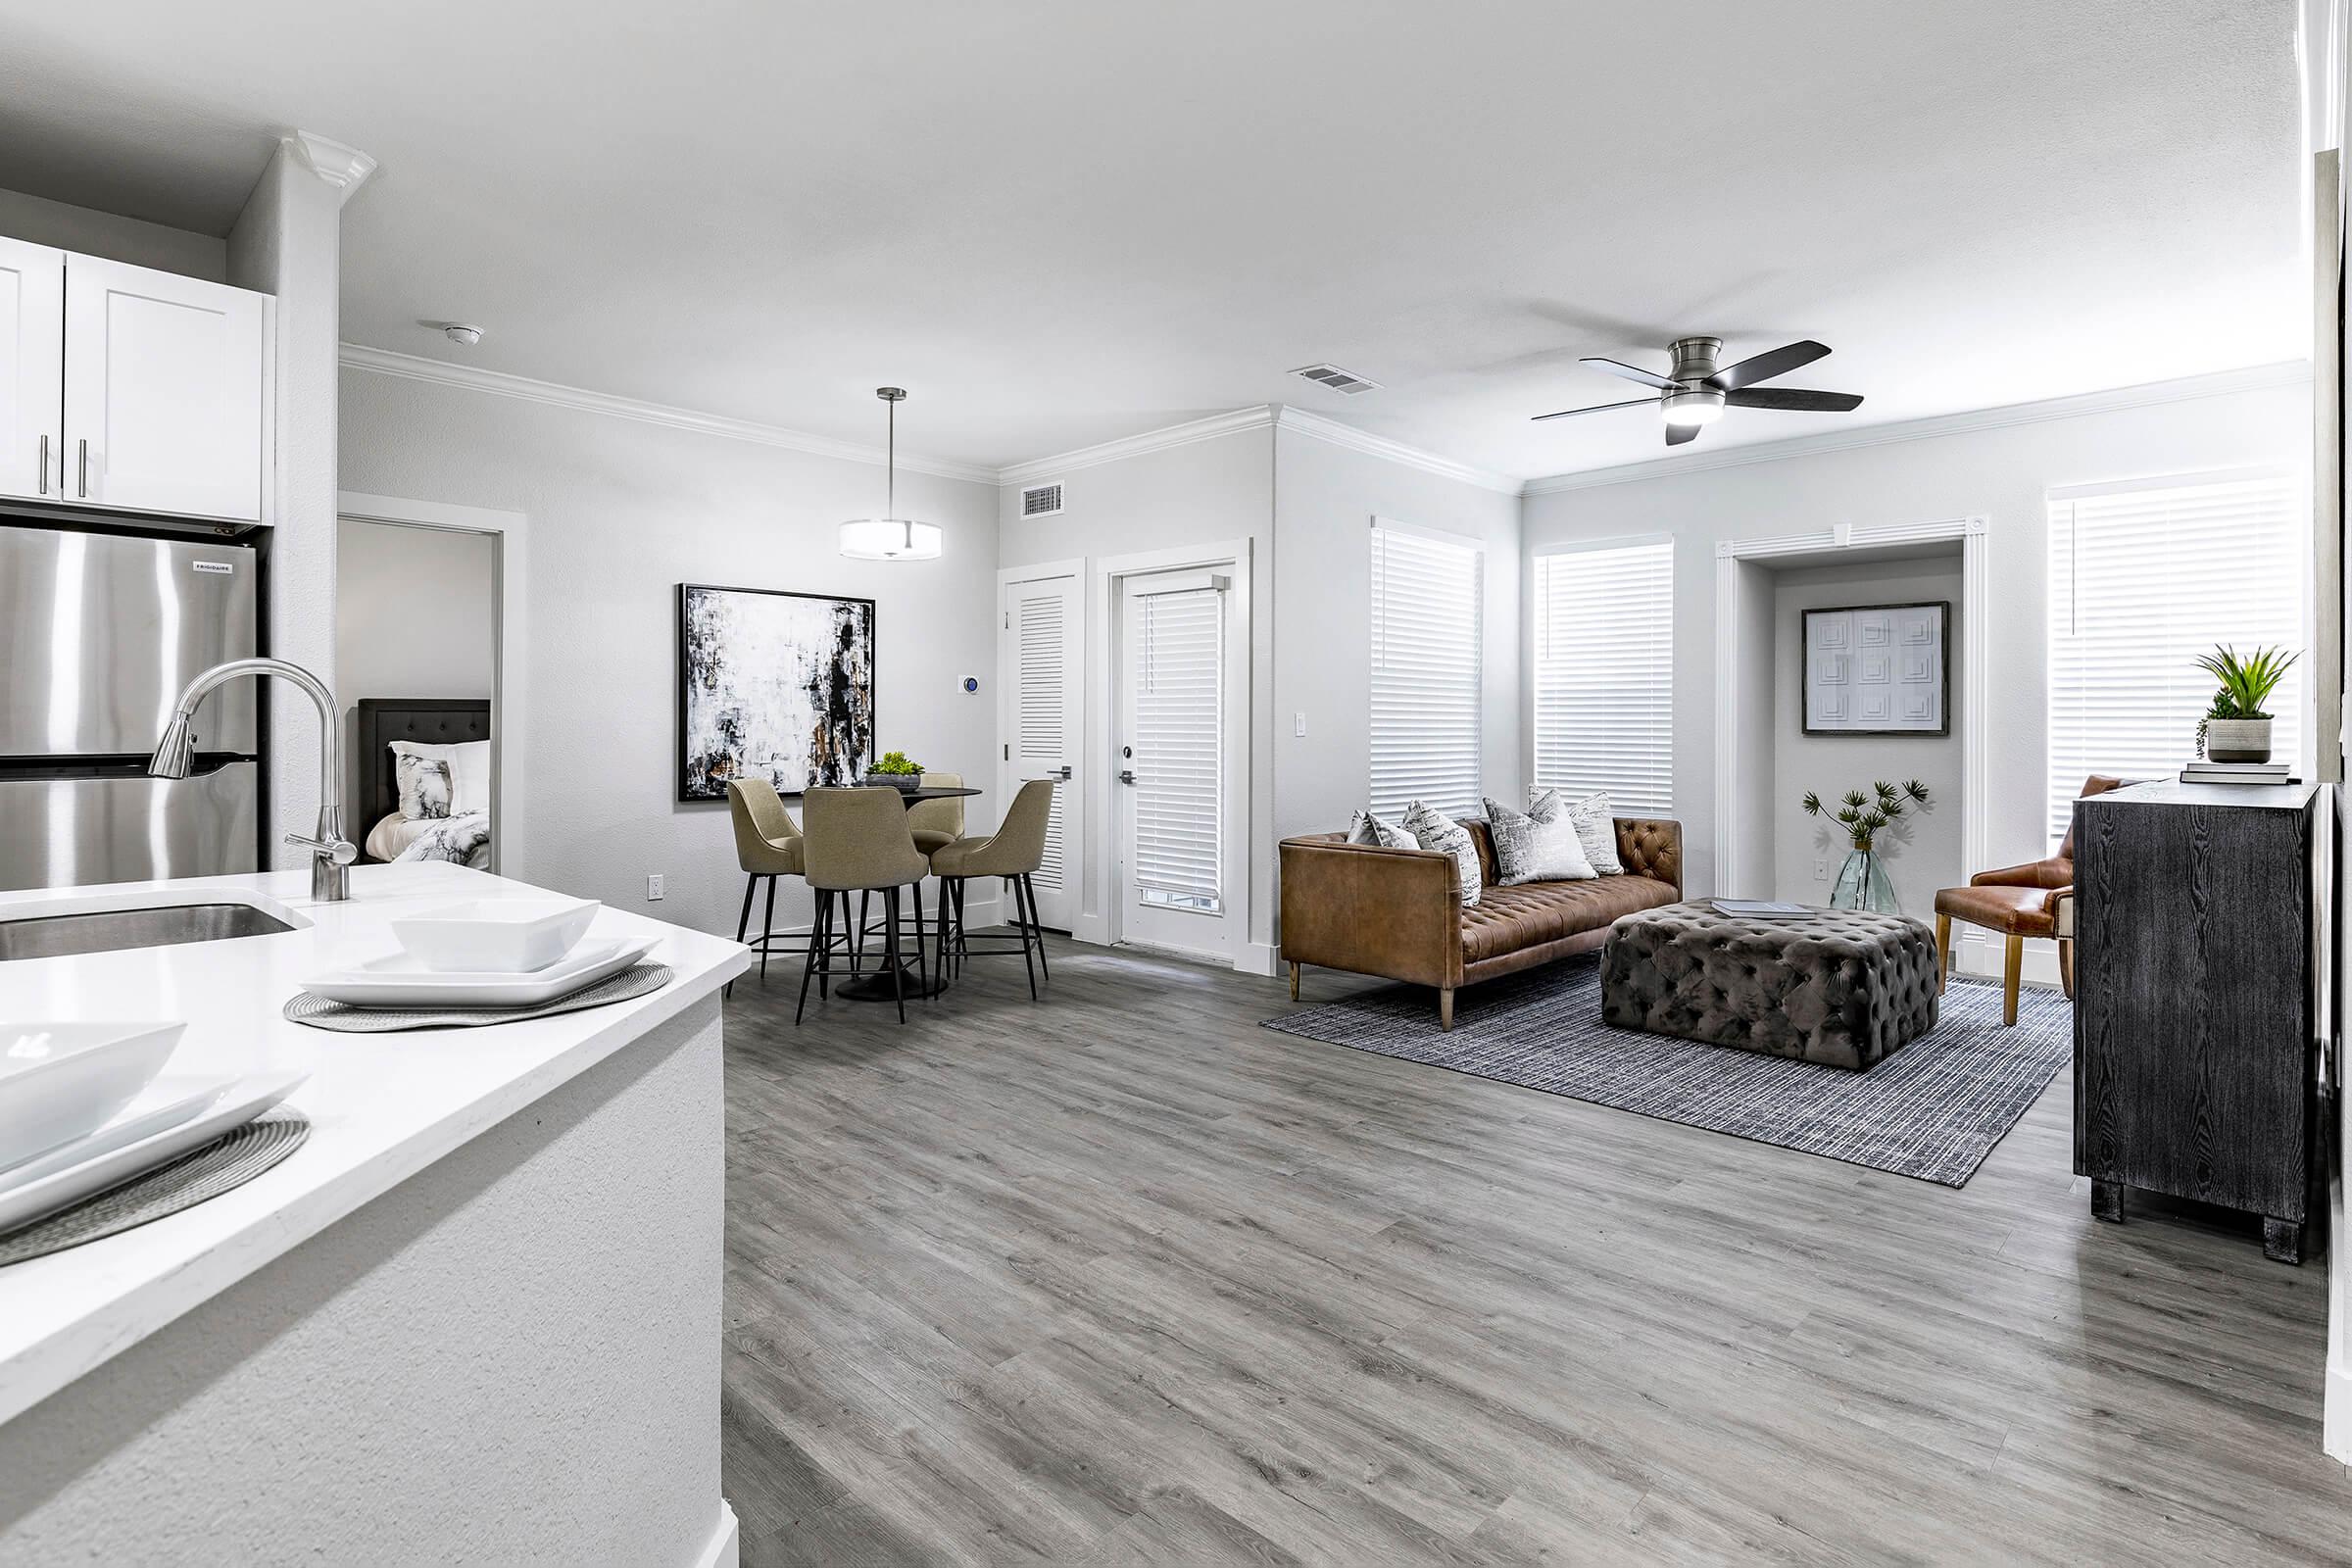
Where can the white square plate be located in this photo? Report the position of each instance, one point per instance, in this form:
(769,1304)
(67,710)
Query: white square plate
(401,980)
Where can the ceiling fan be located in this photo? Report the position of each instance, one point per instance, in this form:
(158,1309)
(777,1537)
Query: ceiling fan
(1697,393)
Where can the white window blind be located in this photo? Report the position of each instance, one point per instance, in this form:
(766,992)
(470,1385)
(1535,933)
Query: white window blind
(1042,723)
(2143,578)
(1425,672)
(1605,673)
(1179,750)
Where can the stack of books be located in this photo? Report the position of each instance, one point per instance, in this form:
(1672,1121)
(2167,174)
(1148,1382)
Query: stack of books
(2203,772)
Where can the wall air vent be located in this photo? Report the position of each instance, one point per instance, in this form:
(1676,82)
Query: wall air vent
(1338,380)
(1042,500)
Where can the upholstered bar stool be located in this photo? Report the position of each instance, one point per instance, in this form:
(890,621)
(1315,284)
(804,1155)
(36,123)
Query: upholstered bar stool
(767,844)
(1013,852)
(935,824)
(857,842)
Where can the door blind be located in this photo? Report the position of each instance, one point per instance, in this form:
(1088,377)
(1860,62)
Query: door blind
(1042,720)
(1605,673)
(1179,751)
(2143,581)
(1425,672)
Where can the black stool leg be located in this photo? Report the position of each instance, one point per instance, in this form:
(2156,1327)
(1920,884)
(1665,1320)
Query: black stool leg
(1042,967)
(767,926)
(890,951)
(816,946)
(1020,921)
(857,943)
(922,960)
(742,921)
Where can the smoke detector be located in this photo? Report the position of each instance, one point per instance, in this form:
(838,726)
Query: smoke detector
(461,334)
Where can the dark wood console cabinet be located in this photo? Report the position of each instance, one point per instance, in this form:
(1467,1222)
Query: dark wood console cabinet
(2195,1037)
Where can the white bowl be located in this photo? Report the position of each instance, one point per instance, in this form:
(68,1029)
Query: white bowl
(497,936)
(60,1081)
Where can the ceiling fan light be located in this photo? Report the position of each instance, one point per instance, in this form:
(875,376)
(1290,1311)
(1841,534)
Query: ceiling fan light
(1691,407)
(890,539)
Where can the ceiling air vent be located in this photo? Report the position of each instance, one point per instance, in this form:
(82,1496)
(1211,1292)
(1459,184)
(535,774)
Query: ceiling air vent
(1042,500)
(1338,380)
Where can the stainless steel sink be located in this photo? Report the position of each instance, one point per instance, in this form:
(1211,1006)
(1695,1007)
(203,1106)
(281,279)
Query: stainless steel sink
(52,936)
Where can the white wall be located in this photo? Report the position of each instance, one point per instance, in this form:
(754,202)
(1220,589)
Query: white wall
(2001,472)
(413,618)
(41,222)
(1923,853)
(621,512)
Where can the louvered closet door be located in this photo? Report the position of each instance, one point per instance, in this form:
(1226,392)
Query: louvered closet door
(1174,787)
(1043,687)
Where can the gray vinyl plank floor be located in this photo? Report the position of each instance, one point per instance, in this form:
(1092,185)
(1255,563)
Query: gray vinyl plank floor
(1122,1278)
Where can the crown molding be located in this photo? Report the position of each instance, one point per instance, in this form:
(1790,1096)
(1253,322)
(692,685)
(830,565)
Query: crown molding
(2221,384)
(1135,446)
(345,168)
(1331,430)
(384,361)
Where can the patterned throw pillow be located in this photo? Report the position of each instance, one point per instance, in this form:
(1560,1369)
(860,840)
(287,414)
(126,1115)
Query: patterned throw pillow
(424,789)
(1596,826)
(1433,830)
(1538,845)
(1365,828)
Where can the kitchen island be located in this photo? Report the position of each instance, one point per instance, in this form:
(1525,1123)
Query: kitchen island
(473,1318)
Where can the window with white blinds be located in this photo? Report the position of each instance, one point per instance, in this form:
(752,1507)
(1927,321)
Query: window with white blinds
(1425,672)
(2143,578)
(1605,673)
(1179,750)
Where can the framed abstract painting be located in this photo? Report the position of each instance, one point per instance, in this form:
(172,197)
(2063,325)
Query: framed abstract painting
(772,685)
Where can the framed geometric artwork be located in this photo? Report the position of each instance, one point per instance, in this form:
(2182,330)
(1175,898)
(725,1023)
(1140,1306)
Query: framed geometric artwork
(1878,669)
(772,685)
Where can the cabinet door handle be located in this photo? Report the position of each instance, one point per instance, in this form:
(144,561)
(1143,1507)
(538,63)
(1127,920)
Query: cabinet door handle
(85,468)
(44,464)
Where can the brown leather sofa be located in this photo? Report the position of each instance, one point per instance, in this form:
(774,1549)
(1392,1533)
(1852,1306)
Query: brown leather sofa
(1399,913)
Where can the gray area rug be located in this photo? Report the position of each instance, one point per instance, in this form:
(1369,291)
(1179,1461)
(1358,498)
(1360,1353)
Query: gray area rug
(1932,1110)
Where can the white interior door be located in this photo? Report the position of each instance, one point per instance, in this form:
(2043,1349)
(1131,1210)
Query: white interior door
(1044,692)
(33,373)
(164,391)
(1172,705)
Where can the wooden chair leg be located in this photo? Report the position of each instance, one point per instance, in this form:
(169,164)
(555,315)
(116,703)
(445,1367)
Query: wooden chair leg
(1943,952)
(1445,1007)
(1294,982)
(2013,956)
(2066,965)
(1029,888)
(767,926)
(817,947)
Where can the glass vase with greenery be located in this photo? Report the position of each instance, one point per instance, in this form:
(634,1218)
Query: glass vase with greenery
(1862,881)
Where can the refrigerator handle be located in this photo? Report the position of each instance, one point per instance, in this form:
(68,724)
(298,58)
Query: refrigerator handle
(86,469)
(44,464)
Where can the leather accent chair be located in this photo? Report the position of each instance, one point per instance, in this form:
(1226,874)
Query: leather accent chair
(767,844)
(1014,851)
(857,842)
(1399,913)
(2032,900)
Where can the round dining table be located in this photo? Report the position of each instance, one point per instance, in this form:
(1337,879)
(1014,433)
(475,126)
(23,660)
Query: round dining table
(876,983)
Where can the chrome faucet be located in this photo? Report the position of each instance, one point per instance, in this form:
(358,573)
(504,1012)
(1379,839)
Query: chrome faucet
(331,853)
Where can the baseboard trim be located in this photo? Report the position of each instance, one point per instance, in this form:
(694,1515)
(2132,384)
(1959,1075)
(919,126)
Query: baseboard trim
(2338,1427)
(724,1549)
(1259,958)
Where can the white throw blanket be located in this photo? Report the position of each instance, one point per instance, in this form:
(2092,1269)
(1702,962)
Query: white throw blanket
(459,839)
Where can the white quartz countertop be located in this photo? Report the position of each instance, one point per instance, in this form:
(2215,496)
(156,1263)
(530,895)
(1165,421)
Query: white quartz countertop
(382,1107)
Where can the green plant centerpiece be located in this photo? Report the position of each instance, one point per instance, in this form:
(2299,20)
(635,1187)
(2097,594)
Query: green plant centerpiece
(2236,726)
(896,770)
(1864,815)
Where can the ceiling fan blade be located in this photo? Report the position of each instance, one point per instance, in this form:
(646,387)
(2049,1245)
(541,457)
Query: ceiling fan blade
(1601,407)
(1632,375)
(1788,397)
(1676,434)
(1767,364)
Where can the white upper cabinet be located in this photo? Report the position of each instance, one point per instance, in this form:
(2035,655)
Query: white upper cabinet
(32,376)
(166,391)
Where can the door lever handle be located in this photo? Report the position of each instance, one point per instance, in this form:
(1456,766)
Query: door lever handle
(1126,775)
(1065,773)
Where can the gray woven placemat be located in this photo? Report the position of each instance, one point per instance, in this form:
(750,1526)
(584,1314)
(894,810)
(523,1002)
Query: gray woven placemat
(228,1161)
(321,1013)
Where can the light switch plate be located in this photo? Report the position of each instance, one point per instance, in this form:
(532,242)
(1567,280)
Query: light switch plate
(1300,726)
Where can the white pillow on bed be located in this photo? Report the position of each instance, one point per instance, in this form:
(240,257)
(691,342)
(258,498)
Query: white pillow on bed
(469,771)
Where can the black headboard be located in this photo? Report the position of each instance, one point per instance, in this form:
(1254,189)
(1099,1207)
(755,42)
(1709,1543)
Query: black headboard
(433,720)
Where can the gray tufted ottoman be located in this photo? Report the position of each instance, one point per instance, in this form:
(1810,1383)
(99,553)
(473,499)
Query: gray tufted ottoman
(1841,987)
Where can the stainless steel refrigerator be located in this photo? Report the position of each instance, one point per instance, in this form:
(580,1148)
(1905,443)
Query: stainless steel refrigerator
(100,632)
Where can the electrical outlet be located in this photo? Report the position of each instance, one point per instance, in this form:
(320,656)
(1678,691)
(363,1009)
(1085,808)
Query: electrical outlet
(653,887)
(1301,727)
(1820,871)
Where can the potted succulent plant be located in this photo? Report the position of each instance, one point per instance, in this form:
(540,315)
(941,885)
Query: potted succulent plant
(2236,726)
(1862,882)
(894,770)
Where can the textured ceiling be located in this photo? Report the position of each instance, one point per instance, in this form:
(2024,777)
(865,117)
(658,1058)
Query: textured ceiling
(1064,222)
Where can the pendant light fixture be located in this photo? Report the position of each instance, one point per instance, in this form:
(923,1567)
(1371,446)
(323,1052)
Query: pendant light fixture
(890,537)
